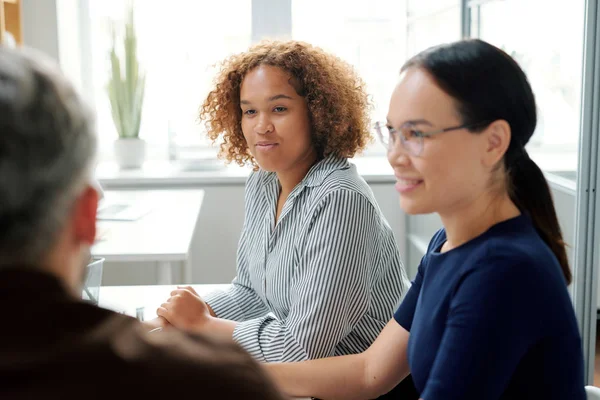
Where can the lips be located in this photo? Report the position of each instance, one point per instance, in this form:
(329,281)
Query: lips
(404,185)
(266,146)
(409,182)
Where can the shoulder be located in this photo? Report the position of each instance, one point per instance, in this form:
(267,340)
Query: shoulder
(256,182)
(522,252)
(437,240)
(183,360)
(519,260)
(343,185)
(257,178)
(347,178)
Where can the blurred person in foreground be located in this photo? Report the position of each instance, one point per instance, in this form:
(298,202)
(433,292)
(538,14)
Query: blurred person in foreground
(53,344)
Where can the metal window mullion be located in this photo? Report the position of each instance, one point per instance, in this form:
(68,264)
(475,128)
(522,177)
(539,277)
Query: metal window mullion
(85,51)
(587,216)
(465,16)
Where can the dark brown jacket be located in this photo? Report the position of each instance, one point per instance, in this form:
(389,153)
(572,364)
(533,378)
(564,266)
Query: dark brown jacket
(54,346)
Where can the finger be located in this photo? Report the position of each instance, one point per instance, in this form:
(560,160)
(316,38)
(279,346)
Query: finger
(180,292)
(191,289)
(173,298)
(163,313)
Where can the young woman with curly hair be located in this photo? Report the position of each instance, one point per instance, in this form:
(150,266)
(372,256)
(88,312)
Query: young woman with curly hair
(318,270)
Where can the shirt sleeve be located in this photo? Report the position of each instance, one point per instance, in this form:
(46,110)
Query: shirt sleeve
(490,325)
(331,290)
(240,302)
(406,311)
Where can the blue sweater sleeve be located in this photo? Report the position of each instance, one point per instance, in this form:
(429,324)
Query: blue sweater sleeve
(406,311)
(490,326)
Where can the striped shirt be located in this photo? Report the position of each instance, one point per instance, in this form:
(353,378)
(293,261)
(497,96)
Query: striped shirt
(323,279)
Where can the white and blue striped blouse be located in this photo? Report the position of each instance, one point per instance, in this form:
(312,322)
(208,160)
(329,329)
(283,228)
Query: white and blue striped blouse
(324,279)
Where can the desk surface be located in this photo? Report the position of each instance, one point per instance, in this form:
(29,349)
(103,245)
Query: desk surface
(163,234)
(128,298)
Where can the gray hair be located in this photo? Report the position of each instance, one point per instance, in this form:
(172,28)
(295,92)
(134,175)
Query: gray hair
(47,154)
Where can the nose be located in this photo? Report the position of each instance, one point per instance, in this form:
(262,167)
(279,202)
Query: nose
(398,156)
(263,124)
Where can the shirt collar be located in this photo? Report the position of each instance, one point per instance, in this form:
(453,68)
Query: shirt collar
(319,172)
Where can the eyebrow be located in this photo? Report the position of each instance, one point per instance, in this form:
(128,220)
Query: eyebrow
(272,98)
(420,121)
(279,96)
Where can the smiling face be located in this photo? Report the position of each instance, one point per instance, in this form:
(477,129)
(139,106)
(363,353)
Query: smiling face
(452,171)
(275,121)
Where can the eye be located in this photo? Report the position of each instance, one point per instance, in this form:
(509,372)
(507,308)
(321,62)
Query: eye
(279,109)
(413,133)
(392,132)
(250,112)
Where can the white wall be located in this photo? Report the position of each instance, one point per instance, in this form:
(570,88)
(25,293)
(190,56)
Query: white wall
(40,26)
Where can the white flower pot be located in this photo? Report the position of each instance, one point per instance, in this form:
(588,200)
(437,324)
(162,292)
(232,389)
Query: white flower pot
(130,153)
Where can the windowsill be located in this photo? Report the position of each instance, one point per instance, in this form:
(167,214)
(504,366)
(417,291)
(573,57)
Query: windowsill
(169,174)
(374,169)
(166,174)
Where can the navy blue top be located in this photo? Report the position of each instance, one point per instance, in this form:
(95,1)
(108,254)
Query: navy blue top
(492,319)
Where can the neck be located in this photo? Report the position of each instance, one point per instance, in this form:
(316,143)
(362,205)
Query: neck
(288,179)
(66,267)
(468,221)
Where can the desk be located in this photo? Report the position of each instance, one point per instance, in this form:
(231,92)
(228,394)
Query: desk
(162,236)
(128,298)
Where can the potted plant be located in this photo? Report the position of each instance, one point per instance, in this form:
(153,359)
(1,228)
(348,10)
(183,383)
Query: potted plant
(126,94)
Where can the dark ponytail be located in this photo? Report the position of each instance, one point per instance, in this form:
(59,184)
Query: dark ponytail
(529,190)
(488,85)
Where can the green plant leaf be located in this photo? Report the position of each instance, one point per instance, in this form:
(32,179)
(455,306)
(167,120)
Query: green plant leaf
(126,85)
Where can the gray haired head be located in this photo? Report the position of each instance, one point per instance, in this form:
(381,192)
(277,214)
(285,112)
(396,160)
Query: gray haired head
(47,154)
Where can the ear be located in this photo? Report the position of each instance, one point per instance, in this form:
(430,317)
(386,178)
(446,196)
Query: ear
(84,217)
(496,141)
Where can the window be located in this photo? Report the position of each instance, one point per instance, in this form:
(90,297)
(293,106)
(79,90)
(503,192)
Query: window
(432,22)
(179,60)
(550,50)
(371,36)
(179,44)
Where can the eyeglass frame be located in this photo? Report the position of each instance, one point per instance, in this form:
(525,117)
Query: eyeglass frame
(420,134)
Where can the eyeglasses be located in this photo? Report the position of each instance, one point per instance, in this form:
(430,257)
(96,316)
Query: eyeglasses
(411,138)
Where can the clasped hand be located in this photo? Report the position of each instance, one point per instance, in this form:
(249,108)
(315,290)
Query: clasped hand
(185,310)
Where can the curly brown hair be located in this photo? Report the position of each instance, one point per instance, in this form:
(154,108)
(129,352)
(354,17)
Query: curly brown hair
(337,101)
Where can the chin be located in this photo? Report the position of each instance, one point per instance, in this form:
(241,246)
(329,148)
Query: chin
(268,165)
(412,207)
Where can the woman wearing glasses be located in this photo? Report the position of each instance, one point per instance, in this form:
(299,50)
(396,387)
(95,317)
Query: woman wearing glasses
(488,315)
(319,271)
